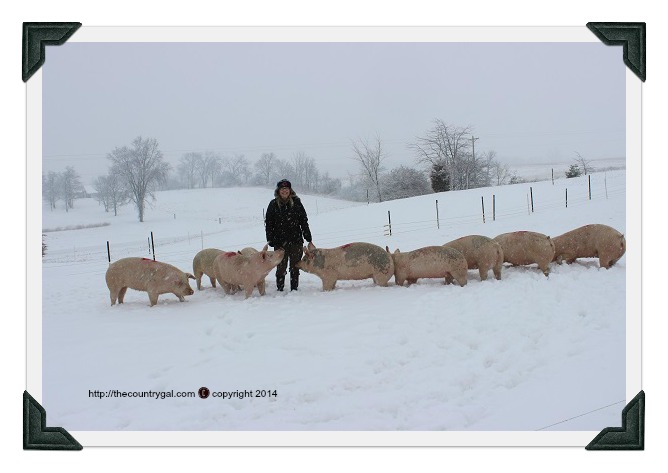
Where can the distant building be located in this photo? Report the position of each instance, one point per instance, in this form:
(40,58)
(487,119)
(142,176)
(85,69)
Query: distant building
(87,192)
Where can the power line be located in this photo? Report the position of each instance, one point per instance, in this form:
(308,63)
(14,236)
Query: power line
(581,415)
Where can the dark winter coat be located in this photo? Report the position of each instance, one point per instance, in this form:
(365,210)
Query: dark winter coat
(286,222)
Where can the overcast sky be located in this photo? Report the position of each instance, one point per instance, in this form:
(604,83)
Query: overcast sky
(529,102)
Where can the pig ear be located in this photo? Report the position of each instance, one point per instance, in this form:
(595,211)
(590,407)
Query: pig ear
(266,247)
(397,251)
(311,246)
(239,252)
(387,248)
(190,276)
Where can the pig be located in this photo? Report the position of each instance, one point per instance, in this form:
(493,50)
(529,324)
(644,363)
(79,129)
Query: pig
(203,264)
(353,261)
(523,248)
(590,241)
(142,274)
(249,251)
(429,262)
(237,270)
(481,253)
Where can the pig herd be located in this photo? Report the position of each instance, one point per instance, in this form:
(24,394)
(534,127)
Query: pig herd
(247,269)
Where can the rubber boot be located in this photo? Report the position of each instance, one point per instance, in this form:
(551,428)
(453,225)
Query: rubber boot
(280,282)
(294,280)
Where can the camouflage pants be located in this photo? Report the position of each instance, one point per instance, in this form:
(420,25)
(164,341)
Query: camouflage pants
(293,254)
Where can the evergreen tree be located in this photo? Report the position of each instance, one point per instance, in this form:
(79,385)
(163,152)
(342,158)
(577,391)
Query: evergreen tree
(440,178)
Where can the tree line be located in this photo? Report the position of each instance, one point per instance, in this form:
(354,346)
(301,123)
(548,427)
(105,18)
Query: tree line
(445,157)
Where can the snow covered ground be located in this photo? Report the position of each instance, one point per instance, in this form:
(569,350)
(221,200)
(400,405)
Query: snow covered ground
(527,353)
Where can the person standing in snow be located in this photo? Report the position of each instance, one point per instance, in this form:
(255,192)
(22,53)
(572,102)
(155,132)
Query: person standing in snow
(286,226)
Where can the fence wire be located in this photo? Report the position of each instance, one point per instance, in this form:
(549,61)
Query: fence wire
(166,248)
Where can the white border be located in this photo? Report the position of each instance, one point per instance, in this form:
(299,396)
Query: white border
(333,34)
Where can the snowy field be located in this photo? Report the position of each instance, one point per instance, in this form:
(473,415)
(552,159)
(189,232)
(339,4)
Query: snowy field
(527,353)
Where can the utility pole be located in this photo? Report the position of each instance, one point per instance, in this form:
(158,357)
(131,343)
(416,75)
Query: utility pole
(473,140)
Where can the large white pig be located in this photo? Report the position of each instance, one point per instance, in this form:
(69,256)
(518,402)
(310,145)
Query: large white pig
(353,261)
(235,270)
(142,274)
(590,241)
(481,253)
(429,262)
(524,248)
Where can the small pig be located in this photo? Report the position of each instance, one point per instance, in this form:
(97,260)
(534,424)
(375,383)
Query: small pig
(429,262)
(353,261)
(481,253)
(203,264)
(142,274)
(590,241)
(522,248)
(235,270)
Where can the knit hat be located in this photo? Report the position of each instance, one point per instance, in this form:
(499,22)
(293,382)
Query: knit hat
(283,183)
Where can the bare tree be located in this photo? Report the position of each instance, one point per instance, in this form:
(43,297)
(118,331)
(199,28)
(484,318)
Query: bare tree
(188,167)
(583,164)
(298,163)
(327,185)
(69,185)
(141,169)
(265,168)
(209,167)
(448,148)
(235,170)
(214,165)
(111,192)
(50,191)
(100,186)
(501,172)
(404,182)
(305,170)
(370,157)
(284,170)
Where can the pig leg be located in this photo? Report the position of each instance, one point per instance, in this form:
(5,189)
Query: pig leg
(448,279)
(606,262)
(153,297)
(113,296)
(497,272)
(380,280)
(328,284)
(249,290)
(228,288)
(411,281)
(121,294)
(213,281)
(545,268)
(181,298)
(261,287)
(483,273)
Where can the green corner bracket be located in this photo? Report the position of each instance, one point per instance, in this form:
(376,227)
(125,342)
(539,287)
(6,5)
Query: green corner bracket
(36,36)
(631,435)
(37,436)
(629,35)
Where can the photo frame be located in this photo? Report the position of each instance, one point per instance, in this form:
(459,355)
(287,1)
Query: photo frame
(631,433)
